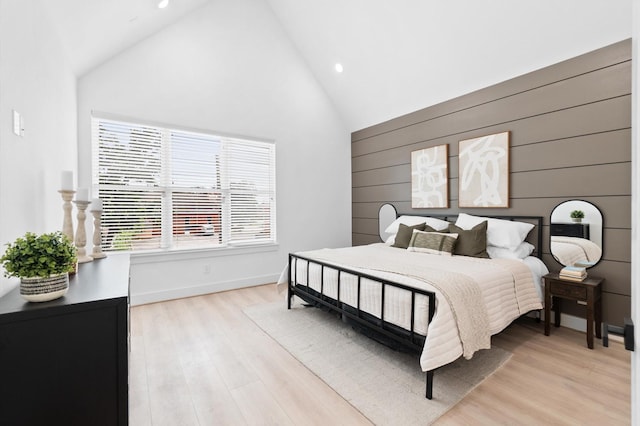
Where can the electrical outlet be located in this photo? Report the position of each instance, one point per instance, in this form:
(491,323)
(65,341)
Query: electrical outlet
(207,269)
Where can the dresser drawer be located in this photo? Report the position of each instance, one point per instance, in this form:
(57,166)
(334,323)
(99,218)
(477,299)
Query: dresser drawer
(577,292)
(580,230)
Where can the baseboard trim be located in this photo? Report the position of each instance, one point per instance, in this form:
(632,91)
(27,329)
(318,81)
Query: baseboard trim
(198,290)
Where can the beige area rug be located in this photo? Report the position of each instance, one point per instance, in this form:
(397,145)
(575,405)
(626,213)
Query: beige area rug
(386,386)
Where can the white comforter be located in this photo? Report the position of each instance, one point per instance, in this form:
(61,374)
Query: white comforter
(506,286)
(570,250)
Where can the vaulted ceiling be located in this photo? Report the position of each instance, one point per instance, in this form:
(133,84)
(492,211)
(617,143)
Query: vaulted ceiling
(398,56)
(93,31)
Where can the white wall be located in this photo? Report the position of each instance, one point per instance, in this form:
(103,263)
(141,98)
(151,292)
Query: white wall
(229,68)
(35,80)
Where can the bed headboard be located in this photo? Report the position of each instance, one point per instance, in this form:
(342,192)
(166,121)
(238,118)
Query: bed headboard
(534,237)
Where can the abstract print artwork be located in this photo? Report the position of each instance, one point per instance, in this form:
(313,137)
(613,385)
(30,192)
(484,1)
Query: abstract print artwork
(429,180)
(484,171)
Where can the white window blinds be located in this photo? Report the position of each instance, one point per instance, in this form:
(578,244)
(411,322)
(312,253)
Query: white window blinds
(166,188)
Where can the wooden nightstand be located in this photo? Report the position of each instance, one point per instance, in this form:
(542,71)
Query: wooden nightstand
(589,291)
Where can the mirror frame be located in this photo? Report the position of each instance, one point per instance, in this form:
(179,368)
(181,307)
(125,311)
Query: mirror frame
(551,222)
(384,213)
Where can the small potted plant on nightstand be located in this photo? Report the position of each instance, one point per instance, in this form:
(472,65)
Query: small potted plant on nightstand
(42,262)
(577,216)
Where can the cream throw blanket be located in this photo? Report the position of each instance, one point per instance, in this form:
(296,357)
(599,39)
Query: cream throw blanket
(461,292)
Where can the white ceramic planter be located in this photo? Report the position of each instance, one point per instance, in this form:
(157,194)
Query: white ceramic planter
(43,289)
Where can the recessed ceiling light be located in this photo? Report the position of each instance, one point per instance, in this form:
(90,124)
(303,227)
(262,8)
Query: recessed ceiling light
(163,3)
(339,67)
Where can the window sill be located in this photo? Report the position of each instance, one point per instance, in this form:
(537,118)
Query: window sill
(170,255)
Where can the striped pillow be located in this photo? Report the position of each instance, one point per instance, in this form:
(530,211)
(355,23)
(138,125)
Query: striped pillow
(433,242)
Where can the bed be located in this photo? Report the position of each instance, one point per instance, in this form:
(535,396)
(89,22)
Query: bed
(443,304)
(575,251)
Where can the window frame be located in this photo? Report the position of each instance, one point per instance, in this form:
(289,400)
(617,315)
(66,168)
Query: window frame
(166,189)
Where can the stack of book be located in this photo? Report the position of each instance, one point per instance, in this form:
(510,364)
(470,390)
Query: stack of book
(584,263)
(573,273)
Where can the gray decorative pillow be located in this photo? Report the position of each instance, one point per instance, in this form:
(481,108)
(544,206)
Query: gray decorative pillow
(404,234)
(433,242)
(471,242)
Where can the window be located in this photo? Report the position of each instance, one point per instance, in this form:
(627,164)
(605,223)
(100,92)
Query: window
(168,188)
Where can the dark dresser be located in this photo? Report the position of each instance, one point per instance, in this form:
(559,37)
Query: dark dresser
(65,362)
(580,230)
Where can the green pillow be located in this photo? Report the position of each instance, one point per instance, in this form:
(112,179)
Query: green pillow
(404,234)
(471,242)
(440,243)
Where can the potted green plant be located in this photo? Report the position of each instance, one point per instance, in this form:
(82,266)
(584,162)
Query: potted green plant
(42,262)
(577,215)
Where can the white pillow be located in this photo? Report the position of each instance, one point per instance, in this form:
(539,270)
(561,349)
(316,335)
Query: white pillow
(437,224)
(500,233)
(522,251)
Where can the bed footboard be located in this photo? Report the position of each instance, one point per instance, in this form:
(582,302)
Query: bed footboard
(408,338)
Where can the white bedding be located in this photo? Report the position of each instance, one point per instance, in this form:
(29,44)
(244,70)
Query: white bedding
(507,288)
(569,250)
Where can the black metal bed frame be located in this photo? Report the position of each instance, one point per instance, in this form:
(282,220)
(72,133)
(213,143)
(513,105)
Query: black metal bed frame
(412,340)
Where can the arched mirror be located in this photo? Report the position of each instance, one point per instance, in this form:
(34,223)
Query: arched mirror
(386,215)
(576,233)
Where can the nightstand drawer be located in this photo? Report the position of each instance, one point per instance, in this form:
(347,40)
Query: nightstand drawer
(565,289)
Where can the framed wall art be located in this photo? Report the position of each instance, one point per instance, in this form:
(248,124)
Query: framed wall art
(429,177)
(483,175)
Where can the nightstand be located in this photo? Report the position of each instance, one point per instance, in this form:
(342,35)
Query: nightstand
(588,291)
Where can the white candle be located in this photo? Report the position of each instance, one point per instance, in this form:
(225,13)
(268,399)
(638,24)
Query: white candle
(96,205)
(83,194)
(66,180)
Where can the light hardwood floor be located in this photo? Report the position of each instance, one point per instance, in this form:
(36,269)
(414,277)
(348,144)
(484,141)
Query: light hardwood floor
(201,361)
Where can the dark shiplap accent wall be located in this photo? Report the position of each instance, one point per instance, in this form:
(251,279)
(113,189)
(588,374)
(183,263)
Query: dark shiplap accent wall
(570,138)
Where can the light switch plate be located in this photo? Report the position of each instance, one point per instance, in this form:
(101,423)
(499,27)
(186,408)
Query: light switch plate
(17,123)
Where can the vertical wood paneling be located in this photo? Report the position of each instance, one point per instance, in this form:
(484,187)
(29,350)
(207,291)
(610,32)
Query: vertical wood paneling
(570,126)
